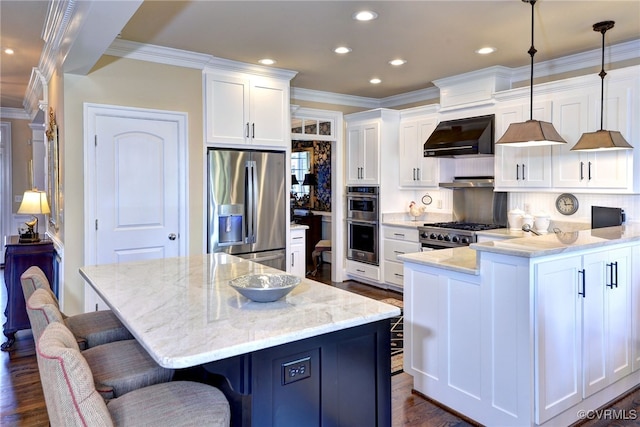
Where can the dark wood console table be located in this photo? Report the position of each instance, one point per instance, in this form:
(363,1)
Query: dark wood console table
(17,259)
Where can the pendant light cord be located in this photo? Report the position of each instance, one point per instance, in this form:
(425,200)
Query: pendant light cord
(532,52)
(602,74)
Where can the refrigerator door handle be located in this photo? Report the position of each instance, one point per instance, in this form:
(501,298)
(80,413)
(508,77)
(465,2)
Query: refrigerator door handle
(252,200)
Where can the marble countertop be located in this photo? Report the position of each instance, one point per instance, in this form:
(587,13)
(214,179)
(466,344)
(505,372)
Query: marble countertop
(464,259)
(404,223)
(184,313)
(555,243)
(295,225)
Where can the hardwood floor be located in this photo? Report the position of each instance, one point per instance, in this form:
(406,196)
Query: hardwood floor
(22,401)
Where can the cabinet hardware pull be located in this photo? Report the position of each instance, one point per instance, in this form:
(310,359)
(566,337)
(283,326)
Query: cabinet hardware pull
(581,171)
(584,291)
(359,271)
(418,174)
(517,172)
(589,171)
(524,176)
(247,129)
(297,238)
(293,259)
(398,275)
(398,252)
(414,173)
(610,284)
(614,264)
(398,234)
(253,130)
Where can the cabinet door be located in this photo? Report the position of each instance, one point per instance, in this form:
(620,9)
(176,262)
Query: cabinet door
(298,262)
(407,153)
(570,118)
(370,154)
(521,166)
(269,119)
(428,174)
(354,157)
(558,336)
(227,109)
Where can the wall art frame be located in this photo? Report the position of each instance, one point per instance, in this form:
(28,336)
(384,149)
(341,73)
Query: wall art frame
(53,171)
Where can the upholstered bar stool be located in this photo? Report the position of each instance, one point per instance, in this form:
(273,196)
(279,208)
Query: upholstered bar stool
(72,399)
(316,255)
(91,329)
(118,367)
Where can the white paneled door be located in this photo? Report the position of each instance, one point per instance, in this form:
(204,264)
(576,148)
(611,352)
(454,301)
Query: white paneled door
(135,197)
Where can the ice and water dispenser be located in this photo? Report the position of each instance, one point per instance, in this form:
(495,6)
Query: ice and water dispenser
(230,225)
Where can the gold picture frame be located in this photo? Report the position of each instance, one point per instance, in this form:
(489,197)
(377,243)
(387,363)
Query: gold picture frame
(53,173)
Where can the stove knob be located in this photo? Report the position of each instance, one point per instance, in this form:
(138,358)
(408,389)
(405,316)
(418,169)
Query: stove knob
(440,237)
(447,238)
(455,239)
(464,240)
(424,235)
(433,236)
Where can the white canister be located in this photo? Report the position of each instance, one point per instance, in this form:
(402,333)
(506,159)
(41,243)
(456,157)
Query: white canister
(514,217)
(541,222)
(527,219)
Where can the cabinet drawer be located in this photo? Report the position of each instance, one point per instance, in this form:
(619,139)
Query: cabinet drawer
(394,272)
(393,248)
(364,270)
(401,233)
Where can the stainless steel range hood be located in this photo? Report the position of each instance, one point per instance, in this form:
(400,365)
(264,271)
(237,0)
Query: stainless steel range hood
(472,136)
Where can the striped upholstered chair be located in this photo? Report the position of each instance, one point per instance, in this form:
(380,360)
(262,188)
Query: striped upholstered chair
(91,329)
(72,399)
(118,367)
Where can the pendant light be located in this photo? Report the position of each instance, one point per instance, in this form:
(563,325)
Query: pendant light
(602,139)
(532,132)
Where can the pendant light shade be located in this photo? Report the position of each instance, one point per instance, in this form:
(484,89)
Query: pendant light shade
(602,139)
(532,132)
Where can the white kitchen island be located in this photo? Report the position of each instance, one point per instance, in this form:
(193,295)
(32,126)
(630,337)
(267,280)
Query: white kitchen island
(320,355)
(526,331)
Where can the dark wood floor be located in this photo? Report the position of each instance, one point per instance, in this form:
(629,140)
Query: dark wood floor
(22,401)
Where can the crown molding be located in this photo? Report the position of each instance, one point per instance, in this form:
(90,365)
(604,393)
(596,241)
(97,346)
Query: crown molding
(13,113)
(162,55)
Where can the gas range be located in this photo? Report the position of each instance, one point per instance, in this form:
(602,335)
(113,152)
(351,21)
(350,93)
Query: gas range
(441,235)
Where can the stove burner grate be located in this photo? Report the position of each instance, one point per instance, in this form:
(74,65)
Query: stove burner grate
(469,226)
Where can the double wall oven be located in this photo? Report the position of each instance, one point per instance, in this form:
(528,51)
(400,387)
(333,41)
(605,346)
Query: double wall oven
(363,213)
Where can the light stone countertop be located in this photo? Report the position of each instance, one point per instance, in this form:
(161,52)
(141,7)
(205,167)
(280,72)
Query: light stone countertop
(404,223)
(184,313)
(563,242)
(464,259)
(295,225)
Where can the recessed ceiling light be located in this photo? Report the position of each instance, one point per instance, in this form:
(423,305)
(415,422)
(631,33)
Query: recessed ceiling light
(365,15)
(267,61)
(397,62)
(342,50)
(375,81)
(9,51)
(486,50)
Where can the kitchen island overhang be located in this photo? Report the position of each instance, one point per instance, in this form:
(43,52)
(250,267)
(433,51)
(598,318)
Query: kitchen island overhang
(185,315)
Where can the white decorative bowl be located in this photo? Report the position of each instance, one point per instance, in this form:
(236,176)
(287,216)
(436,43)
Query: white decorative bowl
(264,287)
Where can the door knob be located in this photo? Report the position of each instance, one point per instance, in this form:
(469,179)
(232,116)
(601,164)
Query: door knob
(172,236)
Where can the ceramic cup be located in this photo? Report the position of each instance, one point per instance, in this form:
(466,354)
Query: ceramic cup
(541,223)
(515,219)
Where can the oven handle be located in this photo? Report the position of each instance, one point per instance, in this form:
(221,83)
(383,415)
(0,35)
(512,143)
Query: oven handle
(361,197)
(361,221)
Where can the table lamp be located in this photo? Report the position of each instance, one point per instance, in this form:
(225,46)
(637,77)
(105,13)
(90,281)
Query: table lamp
(34,202)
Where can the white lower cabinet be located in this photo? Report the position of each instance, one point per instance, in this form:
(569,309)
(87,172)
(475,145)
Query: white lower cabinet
(298,255)
(529,341)
(368,272)
(398,241)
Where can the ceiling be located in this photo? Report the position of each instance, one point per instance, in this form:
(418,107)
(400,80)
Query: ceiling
(437,38)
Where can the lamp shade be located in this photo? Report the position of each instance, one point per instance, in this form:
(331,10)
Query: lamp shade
(531,133)
(602,140)
(294,180)
(310,179)
(34,202)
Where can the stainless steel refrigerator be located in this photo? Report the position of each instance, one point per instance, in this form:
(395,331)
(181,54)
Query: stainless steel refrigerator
(247,205)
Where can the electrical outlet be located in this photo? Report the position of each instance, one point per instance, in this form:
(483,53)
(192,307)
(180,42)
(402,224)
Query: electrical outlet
(296,370)
(439,204)
(17,198)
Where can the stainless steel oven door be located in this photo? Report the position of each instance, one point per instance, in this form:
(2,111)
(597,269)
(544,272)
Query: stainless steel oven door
(363,241)
(362,208)
(426,247)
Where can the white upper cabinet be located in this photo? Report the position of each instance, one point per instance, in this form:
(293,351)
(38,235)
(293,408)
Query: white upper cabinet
(363,150)
(245,109)
(579,113)
(521,167)
(415,169)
